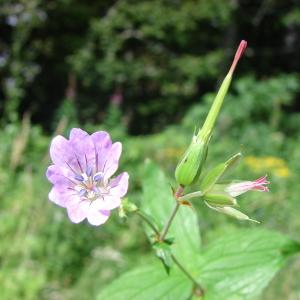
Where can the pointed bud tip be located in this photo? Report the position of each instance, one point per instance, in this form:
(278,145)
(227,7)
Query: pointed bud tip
(241,49)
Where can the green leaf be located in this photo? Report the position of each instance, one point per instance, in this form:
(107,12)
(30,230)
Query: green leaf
(163,252)
(240,265)
(158,202)
(148,283)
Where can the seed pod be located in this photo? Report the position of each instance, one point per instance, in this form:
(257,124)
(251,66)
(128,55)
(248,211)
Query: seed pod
(189,167)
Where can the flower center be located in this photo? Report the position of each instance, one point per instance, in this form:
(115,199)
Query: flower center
(90,186)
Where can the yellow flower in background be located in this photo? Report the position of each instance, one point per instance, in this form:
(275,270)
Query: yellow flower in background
(275,165)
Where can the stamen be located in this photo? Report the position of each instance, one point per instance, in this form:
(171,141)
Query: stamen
(82,193)
(89,171)
(98,176)
(79,177)
(96,190)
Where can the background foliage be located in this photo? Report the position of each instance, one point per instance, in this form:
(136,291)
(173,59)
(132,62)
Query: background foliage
(146,71)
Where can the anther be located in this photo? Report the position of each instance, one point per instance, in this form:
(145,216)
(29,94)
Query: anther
(98,176)
(79,177)
(89,171)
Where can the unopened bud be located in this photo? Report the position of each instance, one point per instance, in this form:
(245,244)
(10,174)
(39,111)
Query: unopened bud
(126,207)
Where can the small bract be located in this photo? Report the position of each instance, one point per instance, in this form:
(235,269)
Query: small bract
(81,175)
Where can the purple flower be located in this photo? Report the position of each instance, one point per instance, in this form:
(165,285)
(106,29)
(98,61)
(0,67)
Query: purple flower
(81,175)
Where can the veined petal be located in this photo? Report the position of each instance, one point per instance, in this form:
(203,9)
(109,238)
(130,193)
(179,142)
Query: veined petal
(97,217)
(119,185)
(102,144)
(63,196)
(112,160)
(83,147)
(62,154)
(59,176)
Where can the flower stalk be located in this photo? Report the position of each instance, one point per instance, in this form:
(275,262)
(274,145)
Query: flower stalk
(169,222)
(145,218)
(165,230)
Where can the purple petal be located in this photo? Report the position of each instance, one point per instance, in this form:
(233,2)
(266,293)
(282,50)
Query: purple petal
(64,196)
(106,203)
(62,153)
(97,218)
(119,185)
(83,147)
(112,160)
(59,176)
(102,143)
(77,212)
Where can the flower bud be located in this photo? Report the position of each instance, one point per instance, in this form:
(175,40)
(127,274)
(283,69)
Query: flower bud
(126,207)
(189,168)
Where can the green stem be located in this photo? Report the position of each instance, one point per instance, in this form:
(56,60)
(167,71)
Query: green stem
(177,195)
(197,286)
(168,224)
(148,221)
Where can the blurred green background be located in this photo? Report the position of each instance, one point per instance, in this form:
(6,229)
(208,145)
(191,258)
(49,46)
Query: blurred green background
(146,71)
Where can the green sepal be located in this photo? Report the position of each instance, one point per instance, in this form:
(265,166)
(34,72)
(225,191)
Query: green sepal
(219,199)
(214,175)
(126,207)
(230,211)
(163,252)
